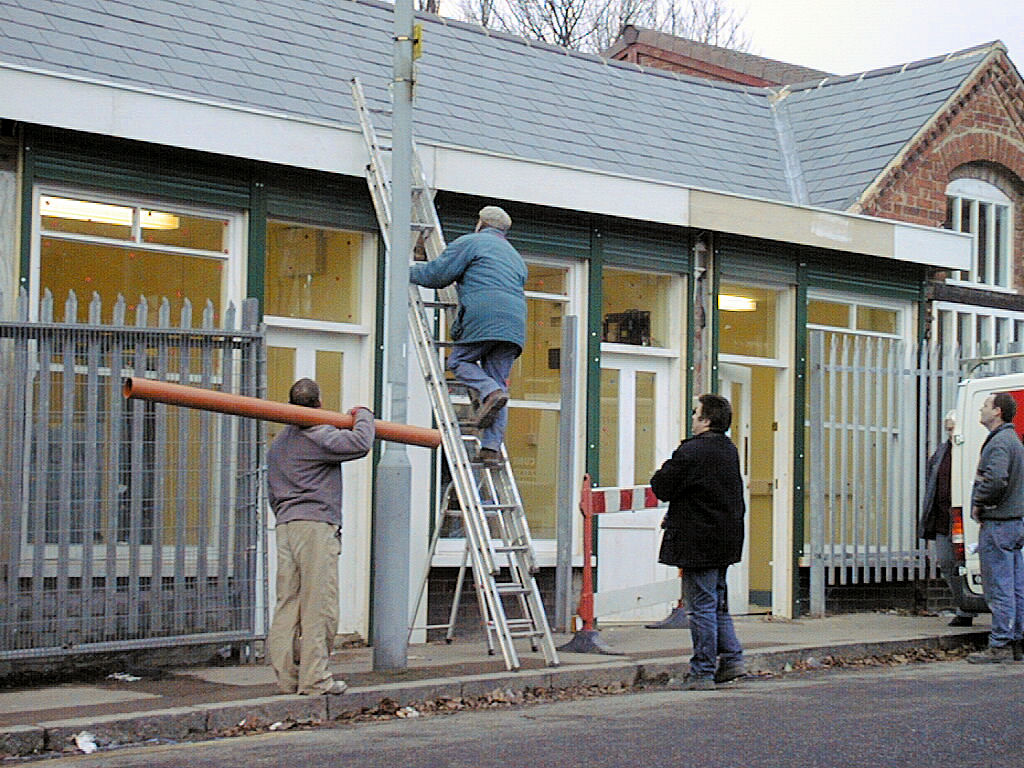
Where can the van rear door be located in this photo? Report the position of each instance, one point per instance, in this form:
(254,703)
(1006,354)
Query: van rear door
(967,441)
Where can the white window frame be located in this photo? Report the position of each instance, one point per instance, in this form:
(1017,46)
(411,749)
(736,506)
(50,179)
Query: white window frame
(952,319)
(450,552)
(231,292)
(904,323)
(367,288)
(235,256)
(979,194)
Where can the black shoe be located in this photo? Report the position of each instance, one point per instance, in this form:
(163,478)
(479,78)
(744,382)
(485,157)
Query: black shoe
(962,621)
(490,407)
(490,457)
(728,672)
(691,683)
(993,654)
(1018,650)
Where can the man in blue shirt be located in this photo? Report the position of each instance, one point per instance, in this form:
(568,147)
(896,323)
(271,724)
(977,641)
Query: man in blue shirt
(490,328)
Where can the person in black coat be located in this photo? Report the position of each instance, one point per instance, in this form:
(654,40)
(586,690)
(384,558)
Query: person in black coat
(704,536)
(936,523)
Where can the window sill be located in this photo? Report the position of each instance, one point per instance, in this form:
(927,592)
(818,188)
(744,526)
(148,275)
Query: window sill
(635,349)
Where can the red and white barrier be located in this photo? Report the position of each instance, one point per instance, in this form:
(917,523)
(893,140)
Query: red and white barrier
(596,501)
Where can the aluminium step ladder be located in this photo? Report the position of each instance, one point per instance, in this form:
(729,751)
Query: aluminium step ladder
(498,547)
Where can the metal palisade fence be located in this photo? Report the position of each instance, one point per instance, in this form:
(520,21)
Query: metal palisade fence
(875,408)
(126,524)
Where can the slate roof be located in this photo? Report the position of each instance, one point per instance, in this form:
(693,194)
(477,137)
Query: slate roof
(846,129)
(485,90)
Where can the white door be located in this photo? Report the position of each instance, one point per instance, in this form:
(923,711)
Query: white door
(635,440)
(734,384)
(338,363)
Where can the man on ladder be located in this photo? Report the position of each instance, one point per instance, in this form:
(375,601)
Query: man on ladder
(490,328)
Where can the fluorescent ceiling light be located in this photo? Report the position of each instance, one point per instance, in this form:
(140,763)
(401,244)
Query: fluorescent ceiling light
(736,303)
(104,213)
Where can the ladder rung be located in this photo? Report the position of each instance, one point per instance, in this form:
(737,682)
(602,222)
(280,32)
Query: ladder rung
(440,304)
(499,507)
(511,548)
(419,226)
(511,589)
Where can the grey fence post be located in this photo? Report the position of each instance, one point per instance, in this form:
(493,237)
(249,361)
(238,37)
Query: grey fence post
(817,468)
(566,479)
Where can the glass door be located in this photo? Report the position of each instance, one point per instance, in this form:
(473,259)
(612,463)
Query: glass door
(734,385)
(635,440)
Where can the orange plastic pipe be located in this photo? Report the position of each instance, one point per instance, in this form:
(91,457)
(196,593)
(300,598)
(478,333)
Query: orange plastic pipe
(255,408)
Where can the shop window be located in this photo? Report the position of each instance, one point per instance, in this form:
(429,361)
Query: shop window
(99,244)
(532,437)
(748,319)
(828,313)
(313,273)
(635,308)
(536,375)
(853,316)
(108,248)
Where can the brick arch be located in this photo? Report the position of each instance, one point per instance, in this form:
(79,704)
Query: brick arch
(982,149)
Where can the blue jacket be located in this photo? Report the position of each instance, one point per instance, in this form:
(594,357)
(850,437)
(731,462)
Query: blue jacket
(490,276)
(999,484)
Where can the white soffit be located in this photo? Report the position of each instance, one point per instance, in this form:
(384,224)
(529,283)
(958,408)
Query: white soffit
(822,228)
(932,246)
(178,121)
(575,189)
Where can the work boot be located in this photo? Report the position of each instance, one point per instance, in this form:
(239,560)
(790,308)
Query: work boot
(490,457)
(489,408)
(334,688)
(691,683)
(1018,650)
(994,654)
(727,672)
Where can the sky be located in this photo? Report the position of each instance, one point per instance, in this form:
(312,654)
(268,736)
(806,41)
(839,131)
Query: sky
(848,36)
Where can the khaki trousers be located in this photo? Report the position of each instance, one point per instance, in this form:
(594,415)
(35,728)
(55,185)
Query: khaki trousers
(307,612)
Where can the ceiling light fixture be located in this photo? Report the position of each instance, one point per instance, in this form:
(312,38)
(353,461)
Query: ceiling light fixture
(104,213)
(730,303)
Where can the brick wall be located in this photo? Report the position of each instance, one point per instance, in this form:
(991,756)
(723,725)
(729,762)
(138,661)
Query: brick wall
(979,136)
(441,592)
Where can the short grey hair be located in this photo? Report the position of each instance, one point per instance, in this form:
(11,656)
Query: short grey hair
(493,216)
(305,392)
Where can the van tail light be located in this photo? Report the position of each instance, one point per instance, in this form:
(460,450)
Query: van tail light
(956,532)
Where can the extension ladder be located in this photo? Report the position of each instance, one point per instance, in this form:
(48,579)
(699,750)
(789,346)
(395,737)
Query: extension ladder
(498,548)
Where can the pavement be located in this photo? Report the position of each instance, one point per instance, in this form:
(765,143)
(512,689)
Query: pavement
(207,702)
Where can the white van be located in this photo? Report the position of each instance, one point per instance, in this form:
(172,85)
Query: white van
(967,439)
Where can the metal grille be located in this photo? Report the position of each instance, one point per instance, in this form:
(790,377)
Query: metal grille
(875,410)
(126,524)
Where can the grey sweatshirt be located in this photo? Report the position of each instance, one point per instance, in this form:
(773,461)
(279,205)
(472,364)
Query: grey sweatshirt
(999,484)
(304,468)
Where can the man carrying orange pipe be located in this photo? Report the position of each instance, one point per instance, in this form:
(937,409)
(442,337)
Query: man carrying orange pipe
(304,486)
